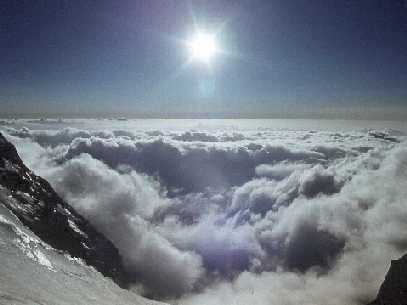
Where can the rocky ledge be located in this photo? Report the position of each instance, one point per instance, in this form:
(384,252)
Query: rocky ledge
(393,290)
(39,207)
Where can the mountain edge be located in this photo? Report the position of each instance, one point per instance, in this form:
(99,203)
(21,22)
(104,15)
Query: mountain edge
(393,290)
(39,207)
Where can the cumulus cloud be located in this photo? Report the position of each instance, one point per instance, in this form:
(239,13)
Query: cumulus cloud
(278,171)
(58,137)
(259,217)
(119,204)
(189,168)
(195,136)
(332,249)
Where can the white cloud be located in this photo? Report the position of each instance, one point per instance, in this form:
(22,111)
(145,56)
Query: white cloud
(119,205)
(254,217)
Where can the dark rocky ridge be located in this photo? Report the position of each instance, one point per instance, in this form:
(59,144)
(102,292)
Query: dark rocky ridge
(393,290)
(39,207)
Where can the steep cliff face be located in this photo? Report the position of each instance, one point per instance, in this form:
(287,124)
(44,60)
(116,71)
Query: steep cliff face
(39,208)
(393,290)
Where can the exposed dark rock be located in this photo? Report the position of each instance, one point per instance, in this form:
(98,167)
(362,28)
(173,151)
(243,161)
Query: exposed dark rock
(393,290)
(39,207)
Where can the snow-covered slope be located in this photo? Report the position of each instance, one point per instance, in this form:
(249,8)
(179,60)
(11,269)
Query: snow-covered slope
(46,248)
(39,207)
(31,272)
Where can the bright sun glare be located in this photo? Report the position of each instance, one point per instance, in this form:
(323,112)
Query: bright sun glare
(202,46)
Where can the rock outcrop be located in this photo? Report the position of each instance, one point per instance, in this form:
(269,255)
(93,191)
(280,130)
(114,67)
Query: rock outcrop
(39,208)
(393,290)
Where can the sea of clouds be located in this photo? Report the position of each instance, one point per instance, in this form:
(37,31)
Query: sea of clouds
(236,211)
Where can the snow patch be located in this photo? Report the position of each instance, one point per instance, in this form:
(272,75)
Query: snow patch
(75,228)
(29,245)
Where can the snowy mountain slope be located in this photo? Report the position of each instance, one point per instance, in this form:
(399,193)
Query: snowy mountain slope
(31,272)
(46,247)
(36,204)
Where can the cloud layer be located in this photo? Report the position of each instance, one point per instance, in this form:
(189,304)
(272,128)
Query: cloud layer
(219,217)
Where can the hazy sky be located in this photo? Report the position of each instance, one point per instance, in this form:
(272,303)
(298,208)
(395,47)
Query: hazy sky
(279,57)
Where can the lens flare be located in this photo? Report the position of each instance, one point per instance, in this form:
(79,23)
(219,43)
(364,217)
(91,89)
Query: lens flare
(202,46)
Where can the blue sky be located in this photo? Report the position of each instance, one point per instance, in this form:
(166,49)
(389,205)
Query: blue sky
(281,58)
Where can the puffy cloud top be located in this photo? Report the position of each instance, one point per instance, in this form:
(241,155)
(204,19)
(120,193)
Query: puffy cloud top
(220,217)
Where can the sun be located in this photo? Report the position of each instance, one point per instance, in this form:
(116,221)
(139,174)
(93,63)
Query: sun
(202,47)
